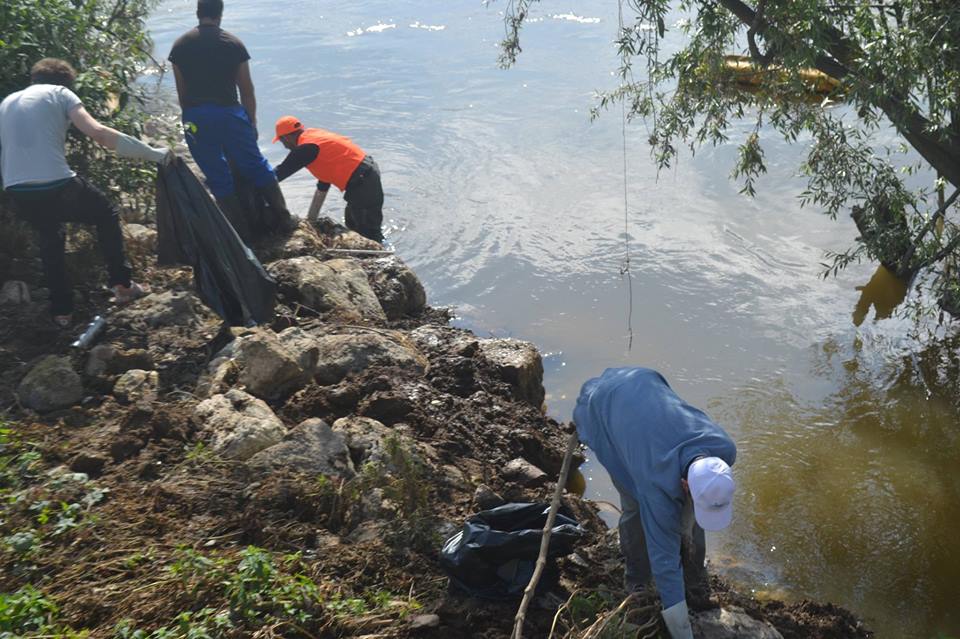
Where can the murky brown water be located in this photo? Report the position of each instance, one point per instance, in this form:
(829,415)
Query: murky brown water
(509,204)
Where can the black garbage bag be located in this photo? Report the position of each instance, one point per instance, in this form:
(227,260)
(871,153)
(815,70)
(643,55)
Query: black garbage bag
(191,231)
(494,556)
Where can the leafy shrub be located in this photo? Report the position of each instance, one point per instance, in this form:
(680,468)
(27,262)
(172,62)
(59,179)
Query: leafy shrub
(107,42)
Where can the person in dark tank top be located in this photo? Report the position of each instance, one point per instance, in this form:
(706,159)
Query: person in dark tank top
(217,97)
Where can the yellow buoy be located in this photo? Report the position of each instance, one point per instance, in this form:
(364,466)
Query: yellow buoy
(750,75)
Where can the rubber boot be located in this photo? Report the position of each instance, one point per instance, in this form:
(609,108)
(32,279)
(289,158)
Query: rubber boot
(281,220)
(236,213)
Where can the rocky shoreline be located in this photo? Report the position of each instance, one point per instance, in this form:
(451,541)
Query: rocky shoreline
(333,451)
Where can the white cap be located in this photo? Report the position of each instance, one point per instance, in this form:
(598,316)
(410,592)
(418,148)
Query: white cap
(711,487)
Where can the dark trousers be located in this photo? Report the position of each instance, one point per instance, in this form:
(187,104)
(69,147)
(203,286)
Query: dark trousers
(633,545)
(364,196)
(76,201)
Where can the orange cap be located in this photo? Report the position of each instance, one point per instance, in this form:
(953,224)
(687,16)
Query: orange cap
(287,124)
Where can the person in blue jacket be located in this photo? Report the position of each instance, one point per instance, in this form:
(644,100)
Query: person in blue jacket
(671,464)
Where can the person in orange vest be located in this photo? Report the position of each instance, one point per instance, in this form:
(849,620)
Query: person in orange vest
(334,159)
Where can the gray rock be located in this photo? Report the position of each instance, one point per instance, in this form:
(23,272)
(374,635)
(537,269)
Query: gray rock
(267,364)
(518,363)
(455,478)
(167,308)
(15,292)
(364,438)
(353,240)
(269,369)
(238,425)
(425,621)
(311,447)
(51,384)
(140,238)
(301,345)
(341,237)
(397,287)
(521,471)
(99,358)
(354,351)
(137,385)
(730,623)
(106,359)
(485,498)
(450,341)
(335,286)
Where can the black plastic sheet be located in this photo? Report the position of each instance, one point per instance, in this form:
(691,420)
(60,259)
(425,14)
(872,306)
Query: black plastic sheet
(191,231)
(494,555)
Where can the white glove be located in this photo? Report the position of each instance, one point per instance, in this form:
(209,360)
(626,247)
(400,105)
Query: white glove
(677,618)
(131,147)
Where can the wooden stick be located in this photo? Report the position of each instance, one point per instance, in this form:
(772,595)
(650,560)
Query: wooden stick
(545,539)
(360,251)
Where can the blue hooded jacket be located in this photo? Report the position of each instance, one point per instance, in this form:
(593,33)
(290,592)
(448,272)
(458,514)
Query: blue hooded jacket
(646,436)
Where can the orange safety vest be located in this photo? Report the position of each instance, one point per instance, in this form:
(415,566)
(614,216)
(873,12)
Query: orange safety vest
(337,159)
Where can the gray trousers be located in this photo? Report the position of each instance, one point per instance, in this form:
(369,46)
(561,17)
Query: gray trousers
(633,545)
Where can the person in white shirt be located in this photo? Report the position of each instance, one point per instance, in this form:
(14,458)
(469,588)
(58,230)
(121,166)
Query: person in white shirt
(47,193)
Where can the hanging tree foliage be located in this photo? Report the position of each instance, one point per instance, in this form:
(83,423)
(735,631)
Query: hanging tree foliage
(107,43)
(897,62)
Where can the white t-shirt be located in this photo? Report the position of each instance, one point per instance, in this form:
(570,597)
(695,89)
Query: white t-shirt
(33,134)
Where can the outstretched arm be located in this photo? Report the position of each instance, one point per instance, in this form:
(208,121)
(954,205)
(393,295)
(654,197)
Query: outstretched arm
(318,198)
(125,145)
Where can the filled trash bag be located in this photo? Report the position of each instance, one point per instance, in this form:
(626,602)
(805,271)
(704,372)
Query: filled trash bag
(191,231)
(494,556)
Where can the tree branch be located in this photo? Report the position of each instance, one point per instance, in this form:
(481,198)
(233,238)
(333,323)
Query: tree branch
(942,156)
(545,538)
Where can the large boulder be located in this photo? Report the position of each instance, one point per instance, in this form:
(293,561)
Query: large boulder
(238,425)
(354,351)
(337,286)
(311,447)
(731,623)
(51,384)
(397,287)
(268,365)
(364,437)
(518,363)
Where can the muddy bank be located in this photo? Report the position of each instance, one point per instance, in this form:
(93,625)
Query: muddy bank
(295,480)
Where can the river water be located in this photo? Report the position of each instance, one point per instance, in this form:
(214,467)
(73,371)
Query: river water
(509,204)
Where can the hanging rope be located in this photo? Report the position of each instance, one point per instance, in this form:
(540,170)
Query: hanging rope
(625,265)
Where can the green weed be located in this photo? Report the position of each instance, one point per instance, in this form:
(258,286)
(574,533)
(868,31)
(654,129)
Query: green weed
(403,479)
(256,591)
(29,613)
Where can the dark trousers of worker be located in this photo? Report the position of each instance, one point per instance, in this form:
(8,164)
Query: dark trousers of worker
(221,136)
(46,211)
(633,545)
(364,196)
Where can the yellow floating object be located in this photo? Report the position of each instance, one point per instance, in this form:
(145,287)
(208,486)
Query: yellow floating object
(750,75)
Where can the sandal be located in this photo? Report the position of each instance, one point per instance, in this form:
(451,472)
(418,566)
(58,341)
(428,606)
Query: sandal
(126,294)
